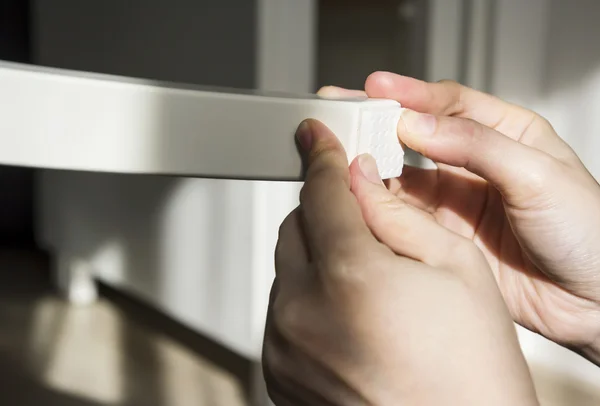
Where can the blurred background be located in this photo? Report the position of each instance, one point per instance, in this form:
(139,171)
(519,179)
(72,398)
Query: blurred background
(125,350)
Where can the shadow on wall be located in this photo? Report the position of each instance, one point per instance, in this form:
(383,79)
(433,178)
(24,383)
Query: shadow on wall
(572,56)
(188,41)
(357,37)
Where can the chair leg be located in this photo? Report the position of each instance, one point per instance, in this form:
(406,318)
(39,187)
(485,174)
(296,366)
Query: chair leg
(74,279)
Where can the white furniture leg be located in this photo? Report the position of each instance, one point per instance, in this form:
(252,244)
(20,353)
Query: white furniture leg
(74,279)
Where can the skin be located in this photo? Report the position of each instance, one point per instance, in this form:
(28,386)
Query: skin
(360,315)
(405,292)
(506,181)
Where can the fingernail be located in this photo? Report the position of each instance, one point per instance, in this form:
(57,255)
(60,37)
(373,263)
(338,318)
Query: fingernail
(339,93)
(329,92)
(304,135)
(418,123)
(368,167)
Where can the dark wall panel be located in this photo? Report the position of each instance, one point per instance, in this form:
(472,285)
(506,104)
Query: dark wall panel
(16,184)
(192,41)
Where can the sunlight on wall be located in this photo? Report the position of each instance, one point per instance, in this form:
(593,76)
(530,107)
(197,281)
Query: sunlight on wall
(573,111)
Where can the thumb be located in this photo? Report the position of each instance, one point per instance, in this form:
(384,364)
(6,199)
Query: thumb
(518,171)
(406,230)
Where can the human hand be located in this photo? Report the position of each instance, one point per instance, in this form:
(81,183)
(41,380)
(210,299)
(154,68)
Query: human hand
(508,182)
(374,303)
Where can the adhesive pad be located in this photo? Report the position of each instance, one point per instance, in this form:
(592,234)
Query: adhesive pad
(377,136)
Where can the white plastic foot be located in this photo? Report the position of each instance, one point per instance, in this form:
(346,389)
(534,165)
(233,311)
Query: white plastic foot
(74,279)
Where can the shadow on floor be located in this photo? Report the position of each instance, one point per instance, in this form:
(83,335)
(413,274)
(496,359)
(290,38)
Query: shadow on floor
(115,352)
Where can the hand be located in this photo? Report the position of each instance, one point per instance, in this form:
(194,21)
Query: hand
(507,181)
(374,303)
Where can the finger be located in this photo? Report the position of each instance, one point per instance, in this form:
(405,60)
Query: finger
(334,92)
(418,187)
(291,252)
(405,229)
(442,98)
(450,98)
(333,222)
(441,193)
(516,170)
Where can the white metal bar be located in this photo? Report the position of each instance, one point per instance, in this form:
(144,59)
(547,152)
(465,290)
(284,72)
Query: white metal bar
(63,120)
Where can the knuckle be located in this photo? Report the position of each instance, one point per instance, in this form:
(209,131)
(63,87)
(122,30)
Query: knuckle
(456,89)
(453,87)
(326,150)
(386,212)
(470,130)
(308,192)
(395,207)
(540,121)
(321,175)
(289,317)
(448,82)
(346,264)
(287,224)
(340,259)
(287,231)
(544,122)
(540,174)
(379,206)
(304,193)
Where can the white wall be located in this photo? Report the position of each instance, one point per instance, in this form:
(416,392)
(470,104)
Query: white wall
(547,59)
(570,96)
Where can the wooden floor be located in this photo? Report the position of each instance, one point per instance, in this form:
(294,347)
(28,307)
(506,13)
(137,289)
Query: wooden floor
(116,352)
